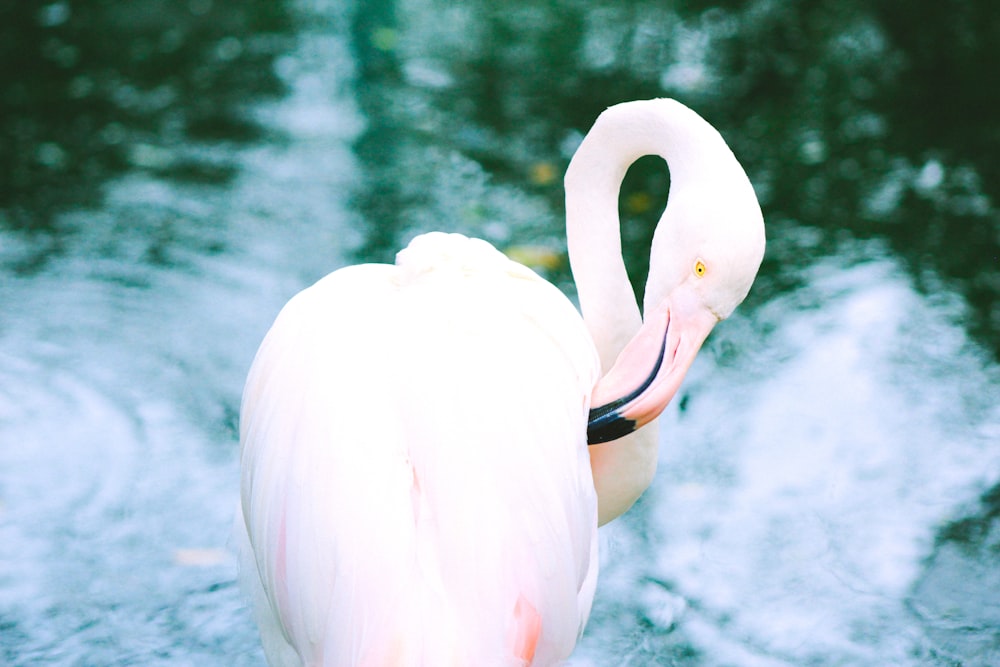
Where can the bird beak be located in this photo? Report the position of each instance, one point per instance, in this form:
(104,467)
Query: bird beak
(650,368)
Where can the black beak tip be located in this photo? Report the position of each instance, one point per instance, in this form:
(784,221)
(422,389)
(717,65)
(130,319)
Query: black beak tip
(607,427)
(605,423)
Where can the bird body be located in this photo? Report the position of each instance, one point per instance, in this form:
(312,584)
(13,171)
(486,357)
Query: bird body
(432,455)
(429,447)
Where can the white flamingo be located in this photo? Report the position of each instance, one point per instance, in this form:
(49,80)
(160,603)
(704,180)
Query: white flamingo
(417,486)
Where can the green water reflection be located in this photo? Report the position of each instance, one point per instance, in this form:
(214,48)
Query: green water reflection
(90,90)
(868,119)
(854,118)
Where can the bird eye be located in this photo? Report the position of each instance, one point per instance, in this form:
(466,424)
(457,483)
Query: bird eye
(699,268)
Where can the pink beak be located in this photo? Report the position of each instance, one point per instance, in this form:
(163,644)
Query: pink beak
(650,368)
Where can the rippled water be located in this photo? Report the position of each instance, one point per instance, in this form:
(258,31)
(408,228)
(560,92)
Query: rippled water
(826,486)
(803,482)
(121,365)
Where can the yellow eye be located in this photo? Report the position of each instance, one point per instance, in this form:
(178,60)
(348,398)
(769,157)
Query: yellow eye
(699,268)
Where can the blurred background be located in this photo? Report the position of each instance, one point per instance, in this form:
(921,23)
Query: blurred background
(172,171)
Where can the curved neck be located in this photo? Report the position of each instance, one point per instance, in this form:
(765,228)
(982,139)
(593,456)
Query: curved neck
(620,136)
(623,469)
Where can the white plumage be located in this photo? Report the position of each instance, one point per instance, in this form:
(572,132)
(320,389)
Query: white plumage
(414,477)
(417,486)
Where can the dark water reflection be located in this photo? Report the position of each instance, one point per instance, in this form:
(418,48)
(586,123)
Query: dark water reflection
(172,171)
(93,90)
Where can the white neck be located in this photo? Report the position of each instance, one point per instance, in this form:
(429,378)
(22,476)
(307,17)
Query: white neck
(620,136)
(623,469)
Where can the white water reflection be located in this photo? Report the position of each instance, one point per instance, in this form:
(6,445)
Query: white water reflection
(121,365)
(801,489)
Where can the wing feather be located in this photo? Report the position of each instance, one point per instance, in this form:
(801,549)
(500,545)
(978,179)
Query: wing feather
(415,463)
